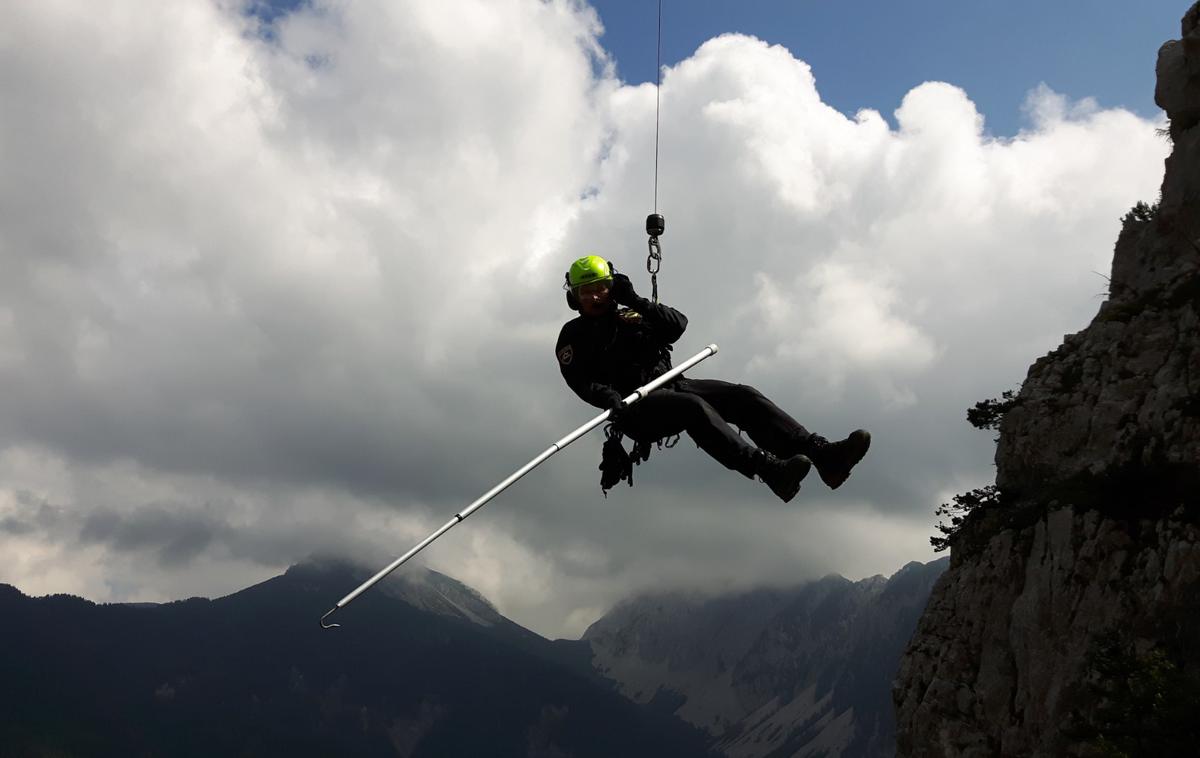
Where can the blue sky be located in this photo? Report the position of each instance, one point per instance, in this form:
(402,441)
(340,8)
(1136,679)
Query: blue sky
(869,54)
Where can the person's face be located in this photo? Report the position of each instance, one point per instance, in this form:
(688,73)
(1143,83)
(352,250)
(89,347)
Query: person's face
(594,297)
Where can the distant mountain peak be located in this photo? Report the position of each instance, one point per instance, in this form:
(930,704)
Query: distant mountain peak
(772,670)
(251,673)
(421,587)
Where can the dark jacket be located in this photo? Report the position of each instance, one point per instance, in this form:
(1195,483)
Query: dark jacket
(620,351)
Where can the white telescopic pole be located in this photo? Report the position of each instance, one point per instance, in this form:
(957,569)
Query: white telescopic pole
(637,395)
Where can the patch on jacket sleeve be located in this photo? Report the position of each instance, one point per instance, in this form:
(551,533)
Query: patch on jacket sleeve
(629,316)
(565,355)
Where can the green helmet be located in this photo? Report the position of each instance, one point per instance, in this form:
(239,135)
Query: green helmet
(590,268)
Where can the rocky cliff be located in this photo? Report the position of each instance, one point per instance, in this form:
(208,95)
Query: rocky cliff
(1069,620)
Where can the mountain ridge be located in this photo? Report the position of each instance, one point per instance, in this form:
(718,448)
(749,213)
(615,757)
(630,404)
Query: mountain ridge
(252,672)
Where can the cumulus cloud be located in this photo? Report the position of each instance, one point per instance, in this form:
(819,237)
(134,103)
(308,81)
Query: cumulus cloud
(797,334)
(273,292)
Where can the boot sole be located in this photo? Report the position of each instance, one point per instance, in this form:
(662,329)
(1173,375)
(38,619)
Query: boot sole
(835,479)
(800,466)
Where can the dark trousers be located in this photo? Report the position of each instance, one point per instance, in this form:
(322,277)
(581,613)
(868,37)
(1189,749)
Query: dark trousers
(705,409)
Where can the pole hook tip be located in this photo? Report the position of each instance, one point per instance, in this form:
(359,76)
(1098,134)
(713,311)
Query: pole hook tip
(328,626)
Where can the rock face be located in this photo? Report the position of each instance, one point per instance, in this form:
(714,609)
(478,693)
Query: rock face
(802,671)
(1094,548)
(1123,396)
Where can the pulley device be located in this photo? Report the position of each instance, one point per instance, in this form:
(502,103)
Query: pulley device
(655,226)
(637,395)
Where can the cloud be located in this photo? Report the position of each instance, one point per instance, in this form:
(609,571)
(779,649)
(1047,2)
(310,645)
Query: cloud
(794,327)
(279,291)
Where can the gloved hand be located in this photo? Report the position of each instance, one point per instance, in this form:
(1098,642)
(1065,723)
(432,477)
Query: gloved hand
(615,403)
(622,291)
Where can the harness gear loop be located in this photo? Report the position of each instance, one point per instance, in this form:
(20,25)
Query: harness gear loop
(616,465)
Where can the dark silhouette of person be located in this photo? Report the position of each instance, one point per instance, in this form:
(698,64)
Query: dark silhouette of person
(620,341)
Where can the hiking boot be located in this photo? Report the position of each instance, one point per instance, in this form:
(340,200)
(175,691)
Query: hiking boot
(835,459)
(782,475)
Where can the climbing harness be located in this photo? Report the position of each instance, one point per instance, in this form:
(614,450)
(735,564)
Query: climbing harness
(637,395)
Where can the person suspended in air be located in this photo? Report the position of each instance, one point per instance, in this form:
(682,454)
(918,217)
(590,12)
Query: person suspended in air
(621,341)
